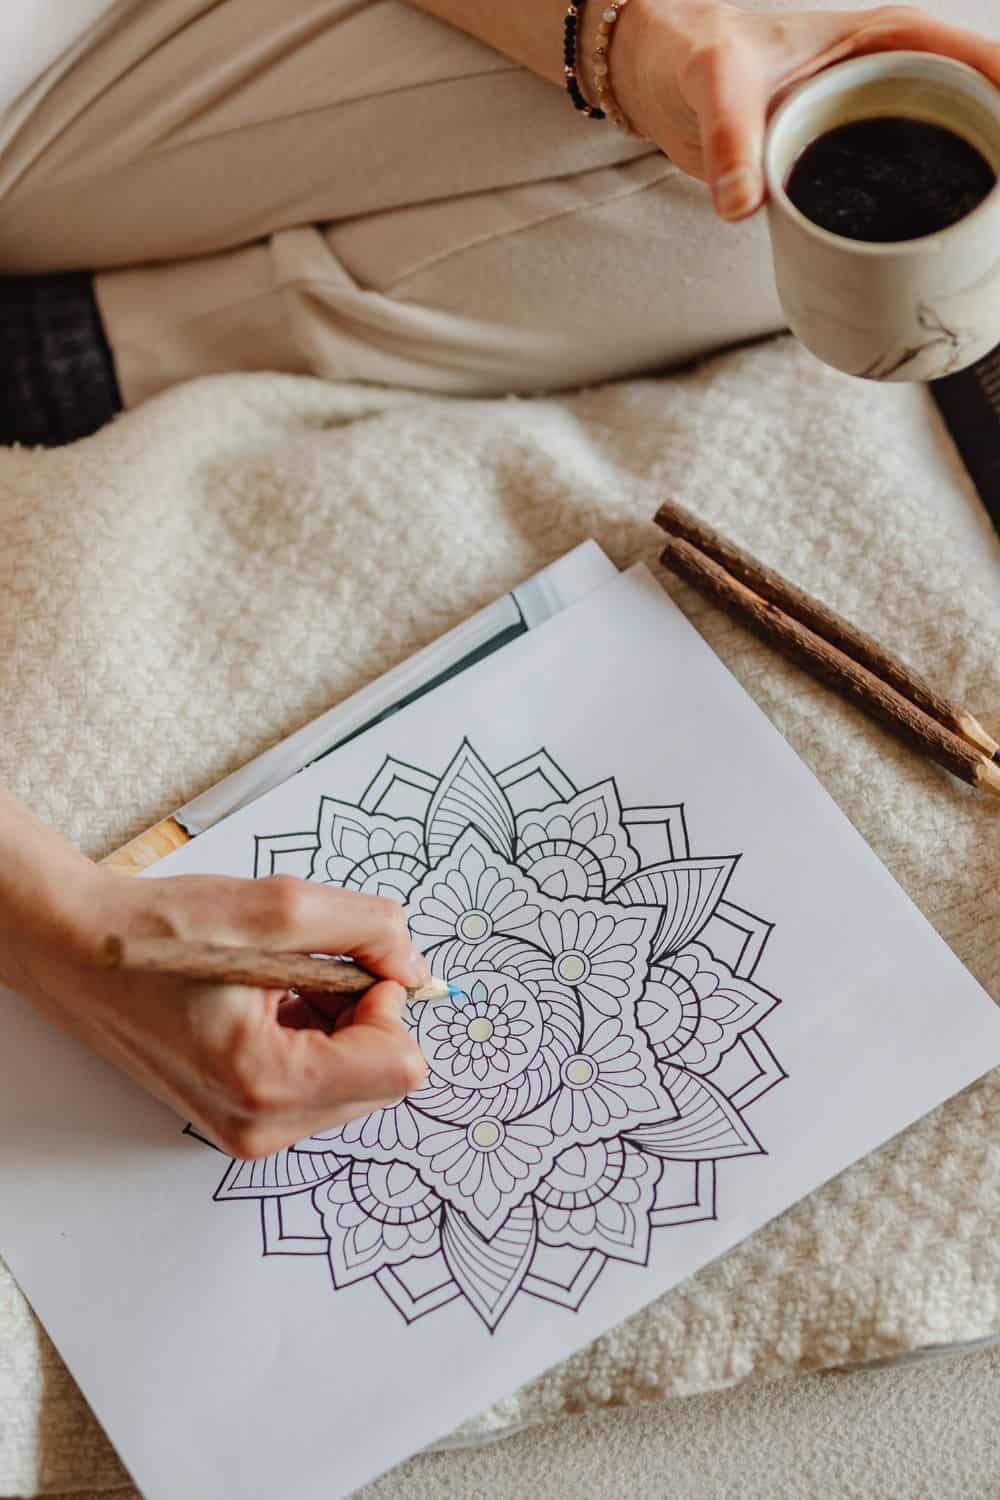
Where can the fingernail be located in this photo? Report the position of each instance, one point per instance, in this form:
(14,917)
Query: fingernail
(736,193)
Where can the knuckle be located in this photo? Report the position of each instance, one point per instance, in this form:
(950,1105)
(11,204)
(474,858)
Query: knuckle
(722,139)
(892,18)
(391,914)
(281,901)
(248,1140)
(390,927)
(702,61)
(408,1069)
(257,1098)
(245,1092)
(708,62)
(250,1091)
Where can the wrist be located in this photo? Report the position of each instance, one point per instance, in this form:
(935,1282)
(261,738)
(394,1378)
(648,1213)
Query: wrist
(48,893)
(653,42)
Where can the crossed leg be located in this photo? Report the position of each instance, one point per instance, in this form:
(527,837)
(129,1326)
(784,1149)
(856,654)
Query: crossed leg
(352,189)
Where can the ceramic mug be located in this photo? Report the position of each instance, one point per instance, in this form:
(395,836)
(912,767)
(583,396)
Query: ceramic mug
(908,310)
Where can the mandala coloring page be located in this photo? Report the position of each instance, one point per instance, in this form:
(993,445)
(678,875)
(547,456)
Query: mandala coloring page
(590,1080)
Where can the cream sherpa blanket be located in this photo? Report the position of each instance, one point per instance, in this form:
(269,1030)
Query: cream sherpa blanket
(191,584)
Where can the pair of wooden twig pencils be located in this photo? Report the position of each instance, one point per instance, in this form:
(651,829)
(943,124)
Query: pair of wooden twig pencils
(830,648)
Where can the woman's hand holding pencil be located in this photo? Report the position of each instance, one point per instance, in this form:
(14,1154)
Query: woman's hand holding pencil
(253,1066)
(259,1067)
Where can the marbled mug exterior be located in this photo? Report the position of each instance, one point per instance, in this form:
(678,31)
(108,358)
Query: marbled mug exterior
(914,309)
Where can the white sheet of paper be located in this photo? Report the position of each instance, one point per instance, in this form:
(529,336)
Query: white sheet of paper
(624,972)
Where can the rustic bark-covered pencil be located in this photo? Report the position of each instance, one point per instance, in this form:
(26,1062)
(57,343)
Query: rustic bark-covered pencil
(209,963)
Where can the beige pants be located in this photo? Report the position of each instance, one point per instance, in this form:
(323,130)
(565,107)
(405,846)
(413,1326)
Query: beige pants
(351,188)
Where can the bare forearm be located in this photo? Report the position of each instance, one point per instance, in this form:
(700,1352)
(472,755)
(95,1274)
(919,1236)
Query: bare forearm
(530,33)
(43,889)
(699,77)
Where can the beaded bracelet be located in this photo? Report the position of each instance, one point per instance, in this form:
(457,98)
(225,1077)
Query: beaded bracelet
(573,14)
(607,102)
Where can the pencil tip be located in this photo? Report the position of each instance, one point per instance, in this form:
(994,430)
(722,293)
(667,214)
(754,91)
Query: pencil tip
(437,989)
(989,776)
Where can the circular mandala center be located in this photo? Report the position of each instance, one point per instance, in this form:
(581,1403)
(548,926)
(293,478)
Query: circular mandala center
(578,1071)
(485,1135)
(572,967)
(494,1009)
(474,926)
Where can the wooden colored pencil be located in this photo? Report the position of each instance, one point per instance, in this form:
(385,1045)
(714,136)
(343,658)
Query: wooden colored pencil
(833,666)
(208,963)
(825,622)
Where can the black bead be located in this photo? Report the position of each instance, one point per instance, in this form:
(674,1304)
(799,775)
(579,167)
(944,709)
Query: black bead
(570,25)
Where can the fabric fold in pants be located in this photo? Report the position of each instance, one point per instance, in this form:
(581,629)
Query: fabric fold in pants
(353,189)
(384,299)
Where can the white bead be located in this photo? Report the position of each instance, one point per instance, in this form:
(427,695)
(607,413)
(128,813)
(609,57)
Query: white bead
(611,16)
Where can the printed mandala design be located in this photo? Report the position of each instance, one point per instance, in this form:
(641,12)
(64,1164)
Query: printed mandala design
(596,1068)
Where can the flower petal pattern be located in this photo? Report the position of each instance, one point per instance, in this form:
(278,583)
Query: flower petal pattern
(368,852)
(577,848)
(573,1209)
(469,797)
(472,894)
(376,1216)
(687,891)
(609,1086)
(274,1176)
(707,1126)
(695,1009)
(490,1272)
(487,1168)
(601,953)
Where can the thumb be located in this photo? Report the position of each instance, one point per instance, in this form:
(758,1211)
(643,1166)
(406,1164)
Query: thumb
(730,101)
(382,1007)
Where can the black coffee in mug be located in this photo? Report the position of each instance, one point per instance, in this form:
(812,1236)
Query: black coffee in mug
(889,178)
